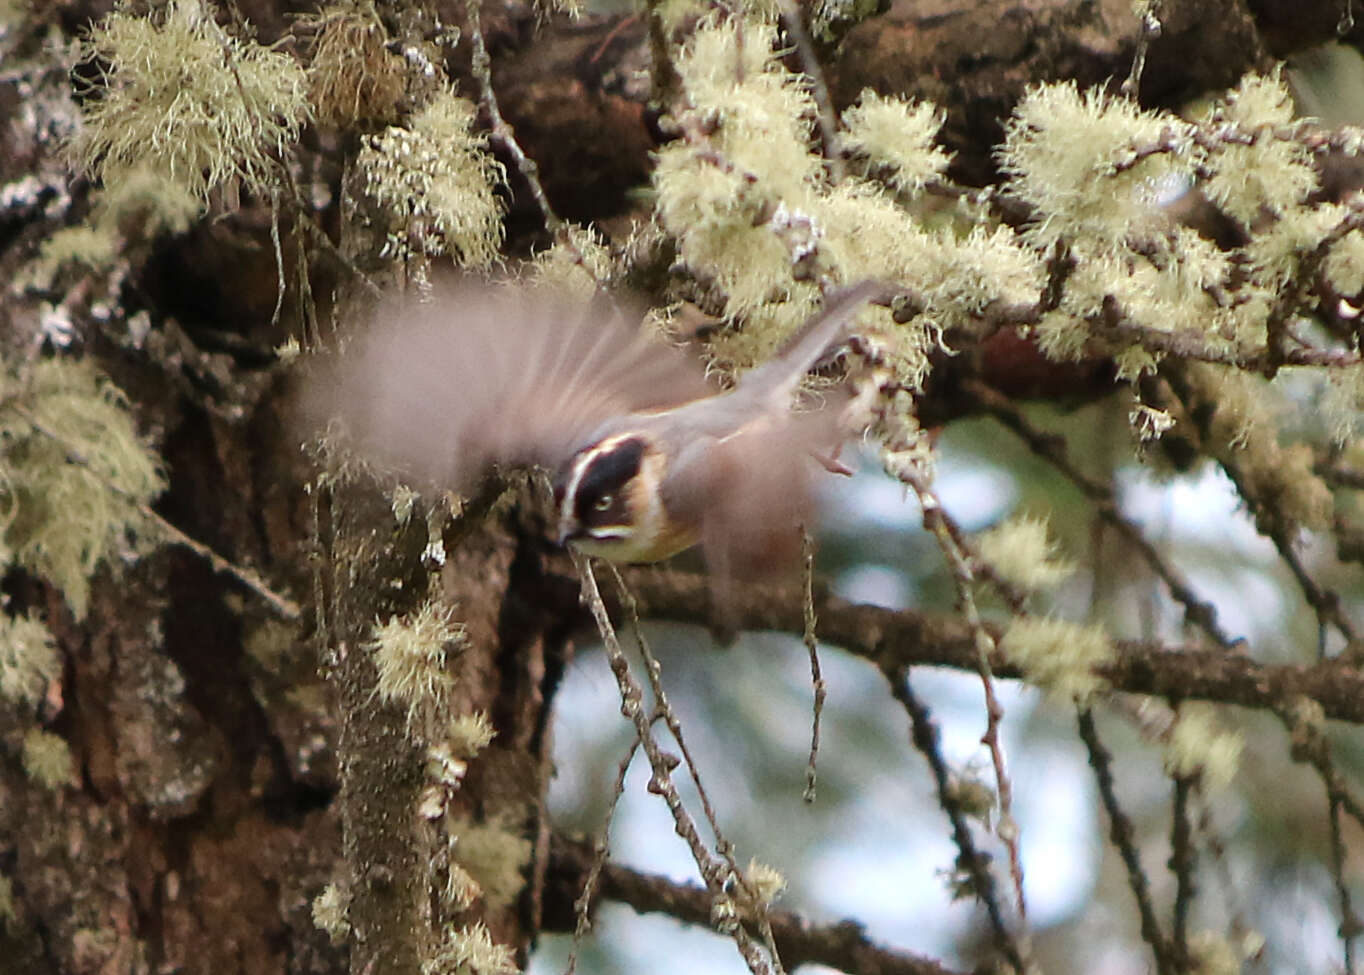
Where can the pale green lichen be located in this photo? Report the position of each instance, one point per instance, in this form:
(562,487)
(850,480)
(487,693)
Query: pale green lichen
(28,659)
(1058,655)
(578,263)
(1279,478)
(763,884)
(470,733)
(1021,552)
(270,644)
(402,500)
(410,654)
(972,794)
(719,199)
(897,135)
(7,912)
(494,855)
(470,950)
(77,478)
(460,890)
(444,767)
(1197,745)
(1076,158)
(329,913)
(1269,175)
(1275,254)
(1343,267)
(47,759)
(437,180)
(353,78)
(1148,423)
(187,101)
(1342,402)
(1211,954)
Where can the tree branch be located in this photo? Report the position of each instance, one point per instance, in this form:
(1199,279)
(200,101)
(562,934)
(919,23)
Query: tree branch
(843,946)
(892,639)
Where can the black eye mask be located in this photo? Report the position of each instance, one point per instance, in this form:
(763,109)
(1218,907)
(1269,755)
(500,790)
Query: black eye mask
(607,474)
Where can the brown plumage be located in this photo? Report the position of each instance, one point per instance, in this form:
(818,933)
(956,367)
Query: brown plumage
(646,458)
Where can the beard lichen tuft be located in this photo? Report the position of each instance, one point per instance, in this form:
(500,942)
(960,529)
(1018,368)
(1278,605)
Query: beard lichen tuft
(438,182)
(77,478)
(188,101)
(28,660)
(410,655)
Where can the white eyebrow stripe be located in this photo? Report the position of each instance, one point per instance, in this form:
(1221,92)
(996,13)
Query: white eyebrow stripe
(580,464)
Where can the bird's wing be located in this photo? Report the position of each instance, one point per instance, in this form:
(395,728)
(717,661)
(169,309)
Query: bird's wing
(768,388)
(752,491)
(773,382)
(440,390)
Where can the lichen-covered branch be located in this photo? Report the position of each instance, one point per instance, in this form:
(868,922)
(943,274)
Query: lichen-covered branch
(891,638)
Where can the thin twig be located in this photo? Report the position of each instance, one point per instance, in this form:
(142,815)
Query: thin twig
(893,638)
(500,129)
(320,234)
(714,871)
(583,903)
(279,256)
(1349,923)
(1052,449)
(1190,344)
(816,676)
(1183,861)
(654,669)
(937,522)
(1123,836)
(842,946)
(924,735)
(824,109)
(1325,602)
(1309,744)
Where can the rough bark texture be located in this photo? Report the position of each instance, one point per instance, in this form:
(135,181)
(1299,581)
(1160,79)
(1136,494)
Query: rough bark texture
(229,765)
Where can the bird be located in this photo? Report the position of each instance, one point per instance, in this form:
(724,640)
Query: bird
(645,457)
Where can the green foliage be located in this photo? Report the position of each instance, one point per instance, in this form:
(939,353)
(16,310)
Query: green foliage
(185,100)
(437,179)
(74,475)
(28,659)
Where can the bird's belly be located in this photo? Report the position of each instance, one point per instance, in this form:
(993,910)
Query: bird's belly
(660,546)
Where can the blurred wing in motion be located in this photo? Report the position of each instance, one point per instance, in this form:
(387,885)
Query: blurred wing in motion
(753,491)
(441,390)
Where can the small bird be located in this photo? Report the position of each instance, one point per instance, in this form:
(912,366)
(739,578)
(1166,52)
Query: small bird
(645,457)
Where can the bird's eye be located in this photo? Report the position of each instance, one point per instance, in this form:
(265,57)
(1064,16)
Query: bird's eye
(604,502)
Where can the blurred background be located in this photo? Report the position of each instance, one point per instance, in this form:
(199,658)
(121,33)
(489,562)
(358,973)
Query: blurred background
(875,846)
